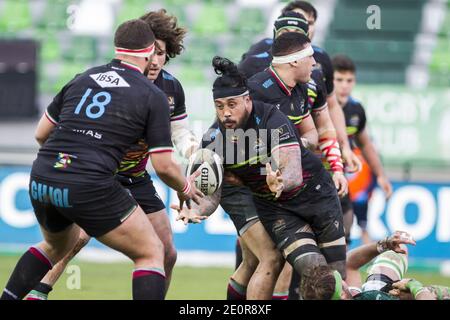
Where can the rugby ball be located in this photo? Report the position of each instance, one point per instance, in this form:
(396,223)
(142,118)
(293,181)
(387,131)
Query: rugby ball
(211,171)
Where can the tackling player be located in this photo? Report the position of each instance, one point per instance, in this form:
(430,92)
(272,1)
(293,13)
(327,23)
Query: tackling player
(132,173)
(101,112)
(355,118)
(297,203)
(389,265)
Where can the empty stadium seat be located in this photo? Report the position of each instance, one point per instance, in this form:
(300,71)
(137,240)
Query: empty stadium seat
(15,16)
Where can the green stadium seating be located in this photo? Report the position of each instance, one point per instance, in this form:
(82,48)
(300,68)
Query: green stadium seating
(55,15)
(199,51)
(50,48)
(192,74)
(15,16)
(387,50)
(67,73)
(250,20)
(131,9)
(364,51)
(211,21)
(81,48)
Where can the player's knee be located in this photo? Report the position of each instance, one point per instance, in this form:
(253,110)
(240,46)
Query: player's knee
(249,264)
(304,264)
(170,256)
(274,261)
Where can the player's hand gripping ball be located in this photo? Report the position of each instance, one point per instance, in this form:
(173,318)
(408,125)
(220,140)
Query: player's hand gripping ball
(211,170)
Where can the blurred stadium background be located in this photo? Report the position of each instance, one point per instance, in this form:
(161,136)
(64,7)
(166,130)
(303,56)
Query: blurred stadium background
(403,82)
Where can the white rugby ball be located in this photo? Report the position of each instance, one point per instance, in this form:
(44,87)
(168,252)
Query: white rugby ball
(211,171)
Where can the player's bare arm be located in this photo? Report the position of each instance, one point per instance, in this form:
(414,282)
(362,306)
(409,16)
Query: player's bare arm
(43,130)
(183,138)
(288,161)
(338,118)
(170,173)
(370,154)
(199,211)
(362,255)
(329,145)
(308,133)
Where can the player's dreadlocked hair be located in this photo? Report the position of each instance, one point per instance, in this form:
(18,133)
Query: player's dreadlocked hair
(231,77)
(165,27)
(320,285)
(302,5)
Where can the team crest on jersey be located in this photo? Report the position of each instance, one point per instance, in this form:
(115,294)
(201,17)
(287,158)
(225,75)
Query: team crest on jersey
(259,146)
(354,121)
(109,79)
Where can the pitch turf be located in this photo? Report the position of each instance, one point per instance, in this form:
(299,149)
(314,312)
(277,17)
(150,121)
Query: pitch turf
(113,281)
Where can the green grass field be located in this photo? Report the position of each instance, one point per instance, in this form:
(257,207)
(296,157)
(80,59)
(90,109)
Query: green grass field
(113,281)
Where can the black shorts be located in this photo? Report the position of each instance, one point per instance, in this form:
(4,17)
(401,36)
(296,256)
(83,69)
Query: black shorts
(360,209)
(311,222)
(346,204)
(143,191)
(238,202)
(97,208)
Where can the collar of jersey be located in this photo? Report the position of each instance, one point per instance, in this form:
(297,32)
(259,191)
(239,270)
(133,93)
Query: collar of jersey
(279,81)
(128,65)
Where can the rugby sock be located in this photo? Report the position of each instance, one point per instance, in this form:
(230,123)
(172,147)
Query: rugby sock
(280,296)
(30,269)
(236,291)
(40,292)
(149,284)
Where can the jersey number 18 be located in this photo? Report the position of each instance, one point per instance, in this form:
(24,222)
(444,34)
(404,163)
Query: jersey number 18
(91,109)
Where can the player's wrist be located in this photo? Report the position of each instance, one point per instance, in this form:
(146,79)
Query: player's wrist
(187,188)
(415,287)
(382,245)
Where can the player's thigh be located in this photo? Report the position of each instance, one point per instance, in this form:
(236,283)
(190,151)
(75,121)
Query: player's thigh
(135,237)
(324,214)
(161,224)
(237,201)
(144,192)
(291,234)
(258,241)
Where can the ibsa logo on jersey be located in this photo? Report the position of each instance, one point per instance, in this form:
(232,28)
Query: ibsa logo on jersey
(109,79)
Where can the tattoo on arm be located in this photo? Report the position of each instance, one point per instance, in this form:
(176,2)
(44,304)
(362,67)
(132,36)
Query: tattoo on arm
(289,162)
(208,204)
(441,293)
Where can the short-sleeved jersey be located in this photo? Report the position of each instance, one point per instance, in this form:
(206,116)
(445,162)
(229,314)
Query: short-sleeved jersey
(98,115)
(259,57)
(136,158)
(175,94)
(246,152)
(267,86)
(297,103)
(355,119)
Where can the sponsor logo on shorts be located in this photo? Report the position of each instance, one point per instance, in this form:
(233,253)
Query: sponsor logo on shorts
(64,160)
(43,193)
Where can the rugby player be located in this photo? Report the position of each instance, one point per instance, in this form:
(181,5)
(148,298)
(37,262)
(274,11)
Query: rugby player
(389,266)
(132,173)
(298,203)
(101,112)
(355,119)
(259,57)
